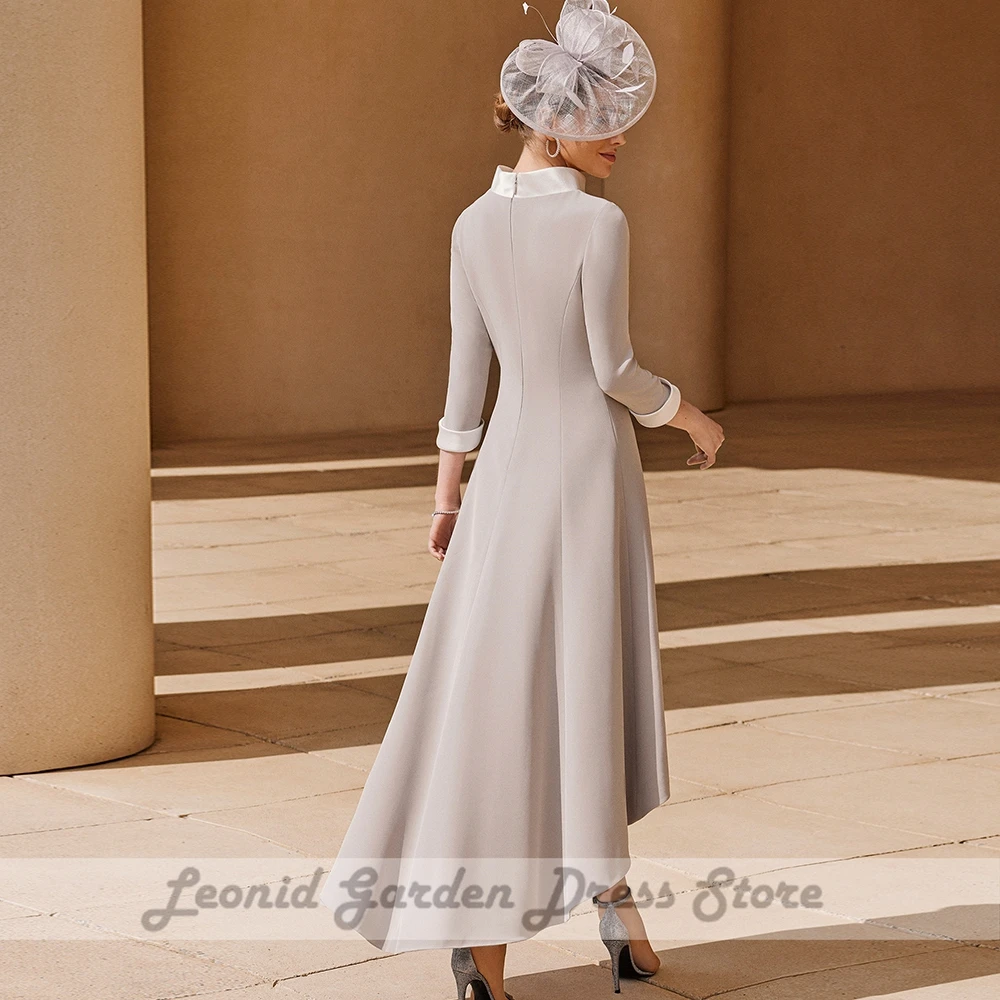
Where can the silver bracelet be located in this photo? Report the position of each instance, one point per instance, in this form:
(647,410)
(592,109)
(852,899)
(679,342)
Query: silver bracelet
(443,512)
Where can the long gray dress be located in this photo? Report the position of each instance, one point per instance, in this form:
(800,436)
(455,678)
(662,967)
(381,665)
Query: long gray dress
(529,729)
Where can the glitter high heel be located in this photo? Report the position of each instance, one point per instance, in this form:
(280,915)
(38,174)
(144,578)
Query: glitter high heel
(464,967)
(615,936)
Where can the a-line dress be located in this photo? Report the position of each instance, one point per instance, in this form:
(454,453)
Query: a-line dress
(529,729)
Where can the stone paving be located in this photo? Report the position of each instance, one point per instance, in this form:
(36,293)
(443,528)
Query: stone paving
(829,604)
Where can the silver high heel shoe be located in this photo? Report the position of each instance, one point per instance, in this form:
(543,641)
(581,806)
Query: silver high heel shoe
(464,967)
(615,936)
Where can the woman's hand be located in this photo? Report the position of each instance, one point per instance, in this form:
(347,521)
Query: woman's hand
(442,525)
(703,430)
(447,496)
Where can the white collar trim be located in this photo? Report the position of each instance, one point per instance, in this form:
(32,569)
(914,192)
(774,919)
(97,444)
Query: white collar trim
(545,180)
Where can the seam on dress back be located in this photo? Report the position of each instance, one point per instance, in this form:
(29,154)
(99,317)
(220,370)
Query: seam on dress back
(561,652)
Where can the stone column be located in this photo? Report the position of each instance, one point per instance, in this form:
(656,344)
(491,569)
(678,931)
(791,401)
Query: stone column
(76,639)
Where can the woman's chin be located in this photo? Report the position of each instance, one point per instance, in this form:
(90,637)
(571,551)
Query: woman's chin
(605,163)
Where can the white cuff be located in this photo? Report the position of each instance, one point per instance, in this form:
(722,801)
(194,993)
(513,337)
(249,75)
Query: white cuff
(662,414)
(449,440)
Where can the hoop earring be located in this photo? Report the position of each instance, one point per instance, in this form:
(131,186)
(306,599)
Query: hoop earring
(558,148)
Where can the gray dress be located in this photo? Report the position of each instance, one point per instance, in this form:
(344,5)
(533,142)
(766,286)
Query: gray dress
(529,728)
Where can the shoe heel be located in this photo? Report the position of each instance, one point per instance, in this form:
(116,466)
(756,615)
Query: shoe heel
(615,937)
(615,951)
(463,965)
(464,968)
(614,934)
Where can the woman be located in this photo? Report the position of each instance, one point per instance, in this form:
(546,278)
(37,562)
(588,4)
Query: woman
(529,728)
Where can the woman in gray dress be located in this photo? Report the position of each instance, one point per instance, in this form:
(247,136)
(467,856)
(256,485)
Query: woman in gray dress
(529,730)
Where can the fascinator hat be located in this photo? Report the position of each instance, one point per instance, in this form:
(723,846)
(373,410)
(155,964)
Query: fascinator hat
(593,81)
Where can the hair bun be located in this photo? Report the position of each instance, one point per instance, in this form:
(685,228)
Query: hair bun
(504,118)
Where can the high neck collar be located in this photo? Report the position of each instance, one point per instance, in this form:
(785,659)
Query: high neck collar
(544,180)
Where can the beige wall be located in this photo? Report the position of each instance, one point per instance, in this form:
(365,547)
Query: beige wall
(672,182)
(811,201)
(306,164)
(865,203)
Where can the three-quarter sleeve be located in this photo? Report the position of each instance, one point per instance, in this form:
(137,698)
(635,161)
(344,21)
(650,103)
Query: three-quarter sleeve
(652,399)
(461,426)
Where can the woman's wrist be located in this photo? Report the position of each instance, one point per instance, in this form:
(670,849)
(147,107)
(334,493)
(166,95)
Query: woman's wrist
(447,503)
(682,418)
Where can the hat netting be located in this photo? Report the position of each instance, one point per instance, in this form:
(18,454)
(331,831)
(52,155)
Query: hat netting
(594,81)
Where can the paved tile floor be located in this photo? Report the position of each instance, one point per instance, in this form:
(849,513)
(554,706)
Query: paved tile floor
(829,603)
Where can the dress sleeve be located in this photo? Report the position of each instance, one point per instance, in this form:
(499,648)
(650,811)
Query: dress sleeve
(652,399)
(461,427)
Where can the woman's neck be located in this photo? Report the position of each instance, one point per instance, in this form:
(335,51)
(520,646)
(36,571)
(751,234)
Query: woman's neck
(530,160)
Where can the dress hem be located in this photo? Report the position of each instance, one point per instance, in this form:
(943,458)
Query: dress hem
(466,943)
